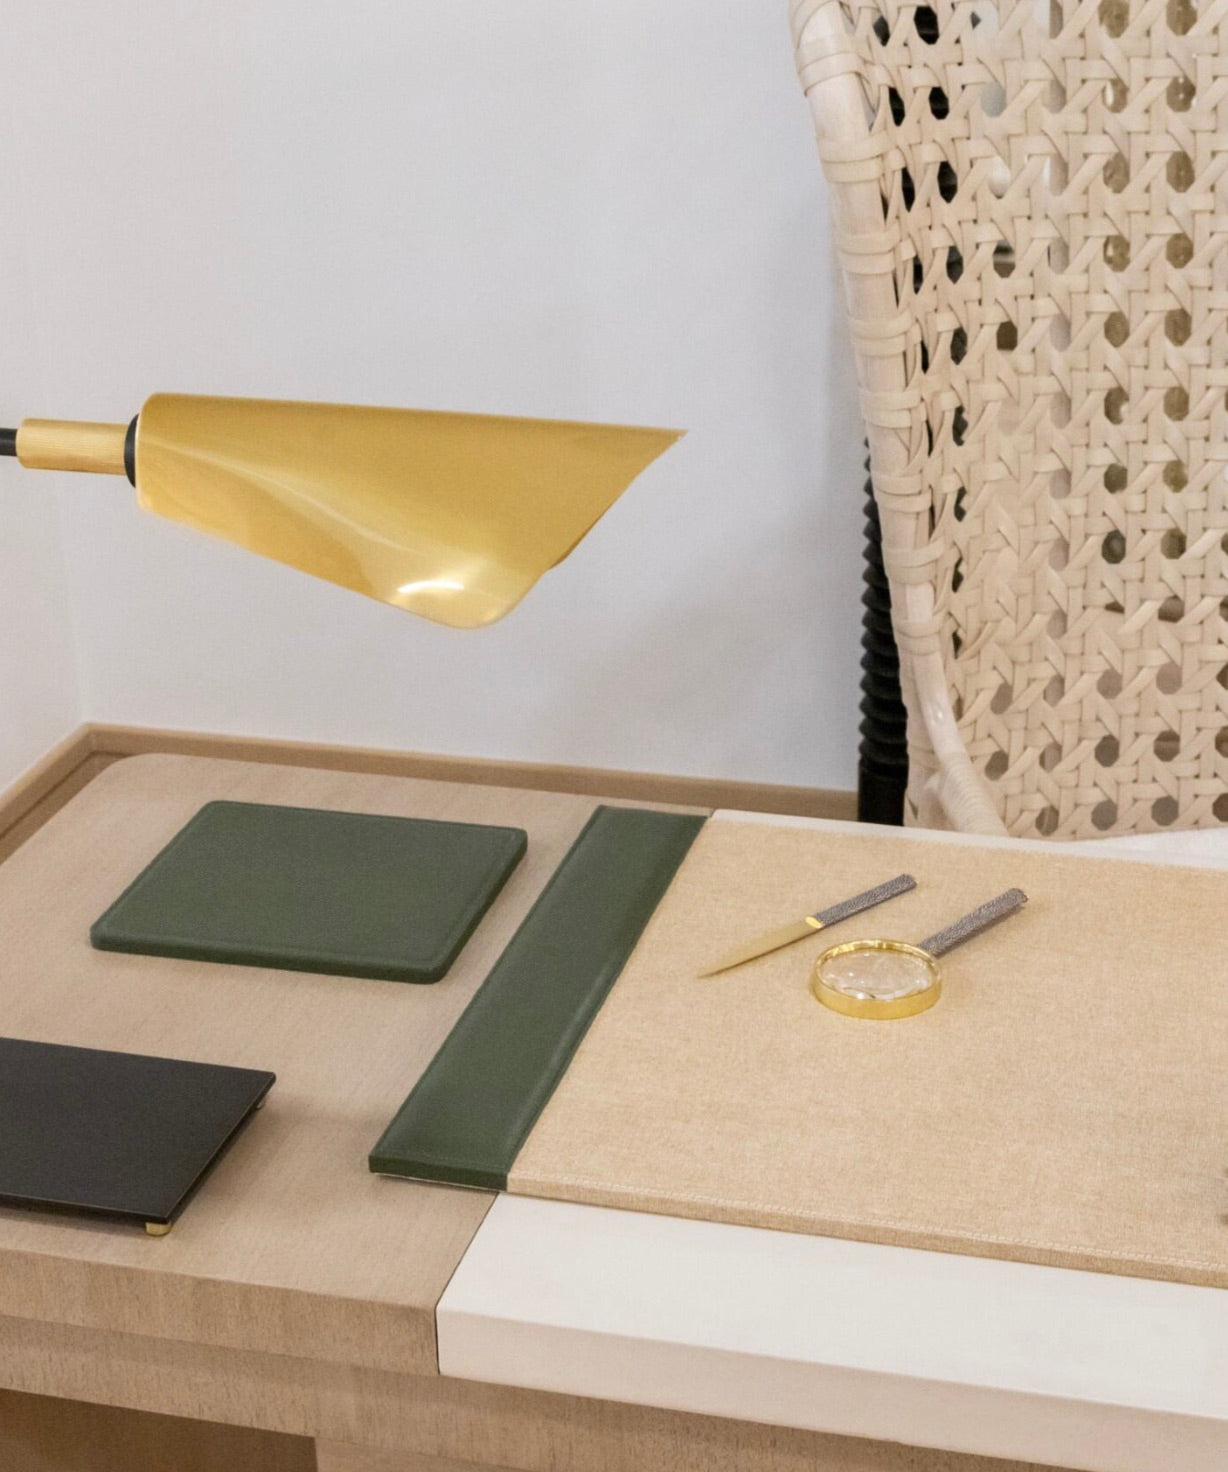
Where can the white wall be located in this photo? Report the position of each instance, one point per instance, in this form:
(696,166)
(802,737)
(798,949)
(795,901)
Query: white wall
(38,676)
(554,207)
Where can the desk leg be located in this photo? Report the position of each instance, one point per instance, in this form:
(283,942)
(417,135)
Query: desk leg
(336,1456)
(41,1433)
(820,1454)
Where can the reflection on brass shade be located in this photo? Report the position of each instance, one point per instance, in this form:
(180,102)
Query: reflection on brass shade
(452,516)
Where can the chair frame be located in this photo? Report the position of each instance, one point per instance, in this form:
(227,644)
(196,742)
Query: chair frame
(1030,204)
(945,788)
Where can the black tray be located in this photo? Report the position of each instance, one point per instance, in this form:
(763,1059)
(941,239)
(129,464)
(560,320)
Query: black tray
(117,1135)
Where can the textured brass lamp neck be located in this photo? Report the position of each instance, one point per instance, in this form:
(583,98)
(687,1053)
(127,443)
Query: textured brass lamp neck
(67,444)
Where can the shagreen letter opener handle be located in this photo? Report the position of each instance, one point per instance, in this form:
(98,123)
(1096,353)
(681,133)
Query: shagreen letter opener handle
(810,924)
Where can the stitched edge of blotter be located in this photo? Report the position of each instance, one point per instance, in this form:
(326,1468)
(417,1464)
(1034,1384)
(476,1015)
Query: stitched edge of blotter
(470,1112)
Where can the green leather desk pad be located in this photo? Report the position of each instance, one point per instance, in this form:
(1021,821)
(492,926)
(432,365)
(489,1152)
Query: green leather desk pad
(473,1108)
(304,889)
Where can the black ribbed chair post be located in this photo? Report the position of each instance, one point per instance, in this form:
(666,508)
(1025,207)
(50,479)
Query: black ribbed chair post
(882,772)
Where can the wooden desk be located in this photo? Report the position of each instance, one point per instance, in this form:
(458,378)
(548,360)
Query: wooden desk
(297,1295)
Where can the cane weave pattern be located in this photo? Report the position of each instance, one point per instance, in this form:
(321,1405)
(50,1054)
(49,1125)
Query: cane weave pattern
(1050,453)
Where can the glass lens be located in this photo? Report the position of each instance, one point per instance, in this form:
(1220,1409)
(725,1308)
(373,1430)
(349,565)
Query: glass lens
(876,975)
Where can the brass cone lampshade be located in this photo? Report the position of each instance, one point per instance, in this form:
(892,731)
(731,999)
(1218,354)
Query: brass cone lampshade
(451,516)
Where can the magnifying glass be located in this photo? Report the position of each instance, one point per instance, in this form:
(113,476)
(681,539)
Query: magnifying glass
(889,978)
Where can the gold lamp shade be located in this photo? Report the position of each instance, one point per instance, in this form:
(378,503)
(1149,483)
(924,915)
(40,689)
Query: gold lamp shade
(451,516)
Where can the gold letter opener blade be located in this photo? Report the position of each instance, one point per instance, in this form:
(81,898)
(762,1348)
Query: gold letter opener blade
(811,924)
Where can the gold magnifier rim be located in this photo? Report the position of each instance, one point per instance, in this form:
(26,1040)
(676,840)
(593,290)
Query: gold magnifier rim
(879,1010)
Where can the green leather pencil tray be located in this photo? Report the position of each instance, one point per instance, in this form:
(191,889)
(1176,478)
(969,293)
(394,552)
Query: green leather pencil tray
(302,889)
(473,1108)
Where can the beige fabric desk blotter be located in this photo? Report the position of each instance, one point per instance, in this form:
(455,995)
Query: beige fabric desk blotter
(1066,1102)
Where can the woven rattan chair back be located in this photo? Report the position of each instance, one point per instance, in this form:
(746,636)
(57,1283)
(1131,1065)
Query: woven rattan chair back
(1031,213)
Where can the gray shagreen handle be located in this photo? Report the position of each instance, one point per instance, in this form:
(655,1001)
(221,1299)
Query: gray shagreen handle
(901,884)
(975,921)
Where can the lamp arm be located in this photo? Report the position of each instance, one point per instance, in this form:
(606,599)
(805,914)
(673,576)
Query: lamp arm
(68,444)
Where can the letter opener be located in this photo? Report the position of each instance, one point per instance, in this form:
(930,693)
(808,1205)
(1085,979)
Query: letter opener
(811,924)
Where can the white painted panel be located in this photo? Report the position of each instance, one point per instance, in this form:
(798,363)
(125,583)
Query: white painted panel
(1003,1359)
(1197,848)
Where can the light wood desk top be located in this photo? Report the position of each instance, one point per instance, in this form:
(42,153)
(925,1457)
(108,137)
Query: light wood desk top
(297,1293)
(291,1246)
